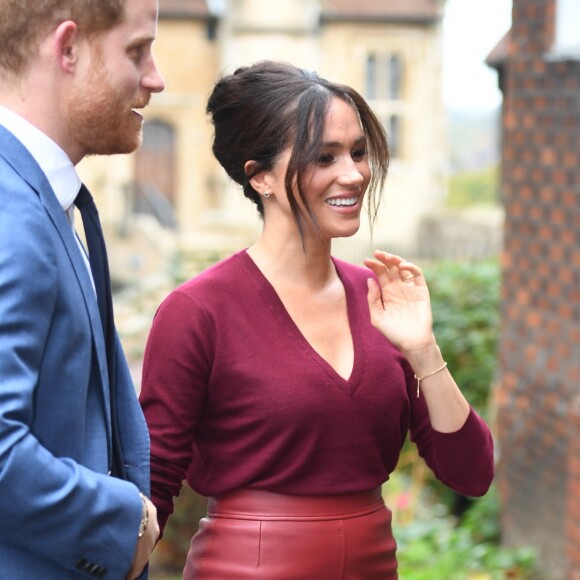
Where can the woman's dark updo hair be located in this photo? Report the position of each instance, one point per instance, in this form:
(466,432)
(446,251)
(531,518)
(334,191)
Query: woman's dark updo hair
(260,110)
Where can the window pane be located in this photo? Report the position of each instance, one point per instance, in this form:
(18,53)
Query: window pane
(394,136)
(371,77)
(395,76)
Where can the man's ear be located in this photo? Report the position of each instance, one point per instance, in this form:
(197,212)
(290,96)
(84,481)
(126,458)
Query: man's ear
(66,45)
(261,181)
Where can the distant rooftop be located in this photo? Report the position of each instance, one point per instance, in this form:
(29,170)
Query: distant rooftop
(422,11)
(500,52)
(183,8)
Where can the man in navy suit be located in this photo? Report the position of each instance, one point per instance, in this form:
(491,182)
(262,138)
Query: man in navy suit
(72,75)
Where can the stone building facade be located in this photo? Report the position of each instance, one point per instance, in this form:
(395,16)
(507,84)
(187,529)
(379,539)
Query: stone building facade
(539,392)
(389,50)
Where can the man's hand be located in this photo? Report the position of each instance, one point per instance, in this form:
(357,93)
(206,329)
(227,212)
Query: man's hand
(145,544)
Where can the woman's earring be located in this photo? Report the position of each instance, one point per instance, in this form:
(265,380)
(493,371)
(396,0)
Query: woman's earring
(266,194)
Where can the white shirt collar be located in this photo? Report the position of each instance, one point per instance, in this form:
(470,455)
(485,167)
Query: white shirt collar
(53,161)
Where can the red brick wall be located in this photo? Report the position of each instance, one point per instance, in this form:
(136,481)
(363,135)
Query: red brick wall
(573,520)
(539,427)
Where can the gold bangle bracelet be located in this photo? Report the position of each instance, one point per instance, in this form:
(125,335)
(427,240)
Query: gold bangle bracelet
(419,379)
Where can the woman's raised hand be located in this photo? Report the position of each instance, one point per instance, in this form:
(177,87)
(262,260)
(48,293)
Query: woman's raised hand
(399,304)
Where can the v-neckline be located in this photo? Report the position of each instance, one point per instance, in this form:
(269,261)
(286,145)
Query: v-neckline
(347,385)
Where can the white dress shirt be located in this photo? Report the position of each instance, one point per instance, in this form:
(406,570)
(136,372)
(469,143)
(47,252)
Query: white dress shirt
(53,161)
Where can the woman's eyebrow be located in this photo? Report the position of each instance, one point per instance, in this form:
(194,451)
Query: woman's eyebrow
(359,141)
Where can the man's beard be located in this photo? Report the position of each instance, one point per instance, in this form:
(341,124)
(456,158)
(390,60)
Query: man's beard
(101,121)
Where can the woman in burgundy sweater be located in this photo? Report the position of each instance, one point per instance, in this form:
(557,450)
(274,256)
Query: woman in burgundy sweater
(282,382)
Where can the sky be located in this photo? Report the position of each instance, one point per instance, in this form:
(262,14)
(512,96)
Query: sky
(471,28)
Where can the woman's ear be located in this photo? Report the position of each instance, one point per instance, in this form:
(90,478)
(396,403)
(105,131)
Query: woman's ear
(261,181)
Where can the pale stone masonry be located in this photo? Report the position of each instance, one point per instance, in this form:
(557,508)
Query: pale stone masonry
(389,50)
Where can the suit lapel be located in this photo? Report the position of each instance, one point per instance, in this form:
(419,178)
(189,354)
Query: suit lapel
(24,164)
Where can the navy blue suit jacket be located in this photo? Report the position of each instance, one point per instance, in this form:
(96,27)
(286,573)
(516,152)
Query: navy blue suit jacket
(61,514)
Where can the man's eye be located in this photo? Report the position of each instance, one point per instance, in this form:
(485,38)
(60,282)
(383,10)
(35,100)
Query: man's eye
(137,52)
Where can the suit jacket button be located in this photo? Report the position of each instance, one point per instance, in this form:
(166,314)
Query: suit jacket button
(82,565)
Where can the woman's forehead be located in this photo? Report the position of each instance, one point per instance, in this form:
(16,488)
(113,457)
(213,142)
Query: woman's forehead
(341,116)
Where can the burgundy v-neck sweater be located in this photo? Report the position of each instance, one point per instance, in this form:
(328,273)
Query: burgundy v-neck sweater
(235,396)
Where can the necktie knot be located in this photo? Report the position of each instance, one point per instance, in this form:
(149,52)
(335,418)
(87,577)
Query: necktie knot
(83,197)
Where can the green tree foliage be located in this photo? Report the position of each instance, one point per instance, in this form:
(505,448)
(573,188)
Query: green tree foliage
(465,298)
(433,547)
(465,303)
(469,188)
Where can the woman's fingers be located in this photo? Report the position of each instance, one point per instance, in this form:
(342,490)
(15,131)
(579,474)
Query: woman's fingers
(409,272)
(378,268)
(390,267)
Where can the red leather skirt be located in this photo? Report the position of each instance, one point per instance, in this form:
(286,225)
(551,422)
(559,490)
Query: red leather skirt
(250,534)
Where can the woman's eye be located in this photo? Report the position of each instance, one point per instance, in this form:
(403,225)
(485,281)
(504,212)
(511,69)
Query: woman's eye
(359,154)
(325,159)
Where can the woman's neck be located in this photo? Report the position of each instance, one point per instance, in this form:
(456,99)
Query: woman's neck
(288,261)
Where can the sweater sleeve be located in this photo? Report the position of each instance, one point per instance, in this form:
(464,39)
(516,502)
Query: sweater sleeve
(176,370)
(462,460)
